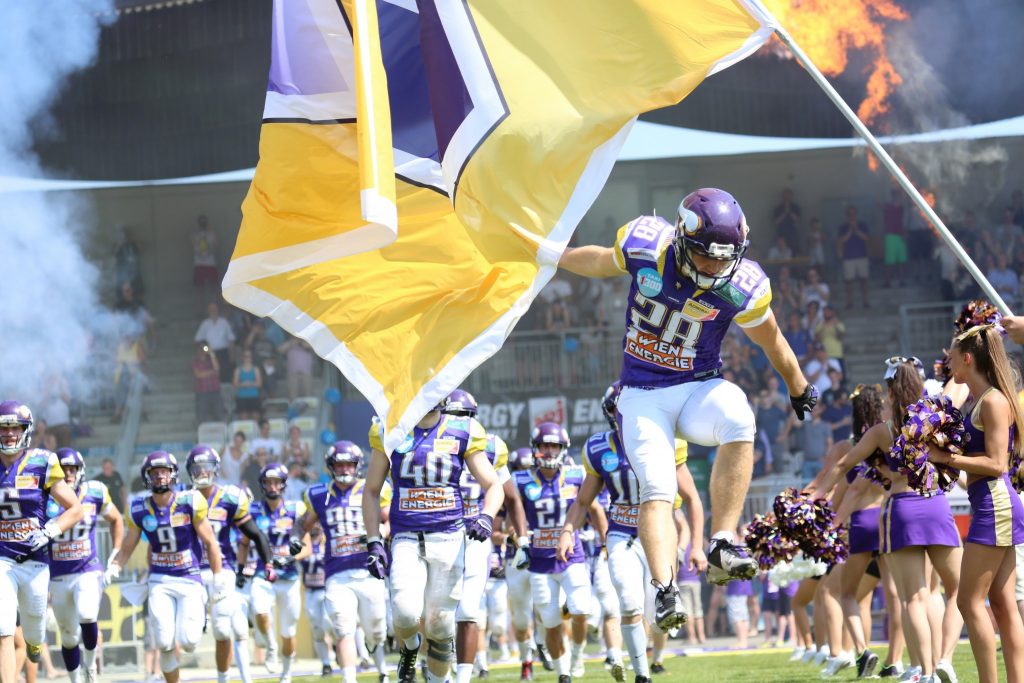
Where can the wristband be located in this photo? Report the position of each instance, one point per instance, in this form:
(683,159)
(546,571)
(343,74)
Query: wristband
(372,539)
(567,531)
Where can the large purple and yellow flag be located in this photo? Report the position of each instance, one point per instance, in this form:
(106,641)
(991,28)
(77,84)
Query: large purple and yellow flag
(423,164)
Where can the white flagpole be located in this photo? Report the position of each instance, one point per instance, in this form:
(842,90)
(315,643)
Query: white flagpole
(888,162)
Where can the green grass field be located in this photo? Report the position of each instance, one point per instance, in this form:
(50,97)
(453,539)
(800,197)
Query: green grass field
(752,666)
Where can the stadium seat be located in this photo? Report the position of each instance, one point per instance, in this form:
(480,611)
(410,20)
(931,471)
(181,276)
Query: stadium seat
(247,427)
(212,434)
(278,428)
(306,425)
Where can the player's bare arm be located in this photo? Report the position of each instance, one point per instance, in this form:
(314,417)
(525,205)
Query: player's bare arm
(483,471)
(376,473)
(590,261)
(769,337)
(68,500)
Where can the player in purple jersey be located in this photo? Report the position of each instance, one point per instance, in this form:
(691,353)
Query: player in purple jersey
(228,510)
(609,471)
(277,518)
(472,610)
(76,576)
(314,579)
(174,523)
(29,477)
(428,531)
(351,596)
(547,492)
(689,282)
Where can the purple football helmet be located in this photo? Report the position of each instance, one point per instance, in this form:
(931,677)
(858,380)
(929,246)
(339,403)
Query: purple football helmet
(155,460)
(202,465)
(610,403)
(273,471)
(549,433)
(461,403)
(342,452)
(16,414)
(710,223)
(520,459)
(69,457)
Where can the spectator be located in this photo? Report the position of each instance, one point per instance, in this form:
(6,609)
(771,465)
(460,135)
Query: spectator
(814,289)
(297,482)
(295,449)
(816,243)
(129,359)
(42,438)
(737,594)
(770,420)
(1017,207)
(557,289)
(111,478)
(253,466)
(894,224)
(780,251)
(248,383)
(206,382)
(830,332)
(839,415)
(853,250)
(949,270)
(299,364)
(264,354)
(969,235)
(234,459)
(786,219)
(131,304)
(55,408)
(1002,239)
(787,299)
(1005,281)
(557,317)
(813,316)
(266,443)
(814,437)
(838,385)
(204,260)
(798,336)
(816,369)
(217,332)
(126,262)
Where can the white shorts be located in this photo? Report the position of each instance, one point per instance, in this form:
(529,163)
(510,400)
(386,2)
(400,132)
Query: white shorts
(474,582)
(24,587)
(709,413)
(737,609)
(76,600)
(630,575)
(177,608)
(521,597)
(496,597)
(313,601)
(426,581)
(286,594)
(606,602)
(354,597)
(574,581)
(227,619)
(1019,585)
(693,604)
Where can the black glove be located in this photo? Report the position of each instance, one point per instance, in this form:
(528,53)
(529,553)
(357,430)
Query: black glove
(295,547)
(240,580)
(805,402)
(377,559)
(282,562)
(480,528)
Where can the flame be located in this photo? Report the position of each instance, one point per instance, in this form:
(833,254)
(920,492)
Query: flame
(828,29)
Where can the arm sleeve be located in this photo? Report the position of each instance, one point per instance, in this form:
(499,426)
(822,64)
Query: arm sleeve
(477,438)
(500,457)
(376,442)
(757,308)
(200,508)
(682,450)
(385,495)
(258,538)
(588,466)
(54,472)
(244,501)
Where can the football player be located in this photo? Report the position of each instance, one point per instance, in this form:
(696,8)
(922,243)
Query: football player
(29,477)
(277,518)
(429,531)
(351,596)
(314,580)
(76,576)
(547,492)
(228,509)
(174,523)
(688,283)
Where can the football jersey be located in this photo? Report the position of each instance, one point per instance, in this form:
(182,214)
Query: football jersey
(472,492)
(313,576)
(174,545)
(604,457)
(74,551)
(228,505)
(277,525)
(24,493)
(340,512)
(674,330)
(546,501)
(425,473)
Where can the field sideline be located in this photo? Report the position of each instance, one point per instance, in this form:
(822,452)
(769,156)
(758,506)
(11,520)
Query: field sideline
(734,667)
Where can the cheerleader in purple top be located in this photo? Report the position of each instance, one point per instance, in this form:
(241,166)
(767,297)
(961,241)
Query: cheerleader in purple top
(994,423)
(916,532)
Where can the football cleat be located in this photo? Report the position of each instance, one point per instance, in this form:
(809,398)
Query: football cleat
(544,657)
(658,668)
(326,671)
(728,561)
(564,679)
(668,607)
(34,652)
(618,672)
(526,671)
(407,665)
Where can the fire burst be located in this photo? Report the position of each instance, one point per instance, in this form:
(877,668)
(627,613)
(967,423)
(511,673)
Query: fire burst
(827,30)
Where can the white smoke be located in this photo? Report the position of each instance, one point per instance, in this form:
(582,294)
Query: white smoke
(52,318)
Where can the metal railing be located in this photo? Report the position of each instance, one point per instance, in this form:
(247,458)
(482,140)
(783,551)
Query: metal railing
(927,328)
(124,451)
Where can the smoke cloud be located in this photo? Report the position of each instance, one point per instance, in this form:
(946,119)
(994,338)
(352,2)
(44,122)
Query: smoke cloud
(52,319)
